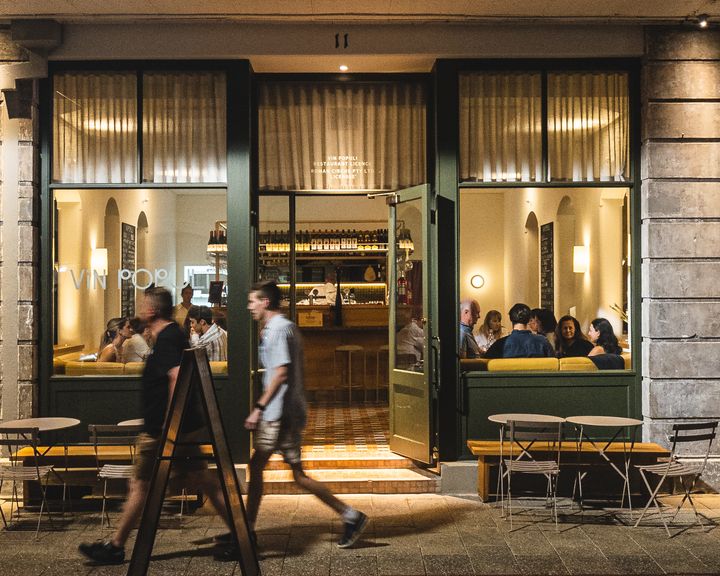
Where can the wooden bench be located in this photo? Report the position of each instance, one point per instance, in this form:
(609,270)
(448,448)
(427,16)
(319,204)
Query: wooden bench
(488,455)
(80,468)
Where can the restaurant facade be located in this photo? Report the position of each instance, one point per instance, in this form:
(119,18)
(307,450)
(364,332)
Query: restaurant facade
(570,166)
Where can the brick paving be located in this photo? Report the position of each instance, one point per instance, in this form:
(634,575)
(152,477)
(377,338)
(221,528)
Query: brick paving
(407,535)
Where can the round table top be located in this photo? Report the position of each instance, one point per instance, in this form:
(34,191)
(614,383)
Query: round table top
(133,422)
(610,421)
(540,418)
(45,424)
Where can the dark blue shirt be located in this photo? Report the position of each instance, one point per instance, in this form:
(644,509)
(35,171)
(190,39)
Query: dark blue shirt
(525,344)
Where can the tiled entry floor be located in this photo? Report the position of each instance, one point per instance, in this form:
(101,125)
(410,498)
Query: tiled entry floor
(336,429)
(412,535)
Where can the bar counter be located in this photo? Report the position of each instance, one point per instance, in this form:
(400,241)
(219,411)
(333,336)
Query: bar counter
(363,325)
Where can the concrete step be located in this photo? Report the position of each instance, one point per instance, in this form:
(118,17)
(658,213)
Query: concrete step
(325,459)
(357,481)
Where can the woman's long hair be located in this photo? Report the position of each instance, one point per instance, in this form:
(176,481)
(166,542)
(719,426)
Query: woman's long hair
(560,345)
(485,328)
(111,330)
(607,338)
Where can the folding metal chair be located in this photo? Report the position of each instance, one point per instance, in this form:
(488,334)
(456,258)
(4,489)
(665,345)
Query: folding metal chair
(519,440)
(112,435)
(688,472)
(15,439)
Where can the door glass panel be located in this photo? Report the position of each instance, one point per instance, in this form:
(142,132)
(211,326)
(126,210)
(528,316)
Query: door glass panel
(274,243)
(409,312)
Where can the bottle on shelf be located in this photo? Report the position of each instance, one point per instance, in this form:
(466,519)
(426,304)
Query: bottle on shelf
(402,289)
(337,317)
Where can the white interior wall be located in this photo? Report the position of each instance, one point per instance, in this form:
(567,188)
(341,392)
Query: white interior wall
(481,236)
(195,215)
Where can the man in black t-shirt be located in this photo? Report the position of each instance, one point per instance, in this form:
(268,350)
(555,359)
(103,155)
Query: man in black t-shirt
(158,384)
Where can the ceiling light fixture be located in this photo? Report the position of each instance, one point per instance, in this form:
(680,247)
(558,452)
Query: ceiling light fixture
(343,68)
(702,20)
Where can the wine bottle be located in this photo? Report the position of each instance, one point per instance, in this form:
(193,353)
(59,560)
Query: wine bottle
(338,299)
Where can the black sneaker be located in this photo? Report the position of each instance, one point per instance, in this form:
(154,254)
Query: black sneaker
(227,538)
(353,531)
(103,552)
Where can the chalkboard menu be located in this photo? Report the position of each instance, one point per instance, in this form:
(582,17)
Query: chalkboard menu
(547,267)
(127,262)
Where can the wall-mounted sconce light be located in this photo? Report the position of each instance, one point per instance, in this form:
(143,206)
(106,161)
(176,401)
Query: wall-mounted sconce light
(99,261)
(581,259)
(477,281)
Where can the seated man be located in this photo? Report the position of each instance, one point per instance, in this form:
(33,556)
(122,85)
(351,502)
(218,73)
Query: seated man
(521,342)
(211,336)
(469,314)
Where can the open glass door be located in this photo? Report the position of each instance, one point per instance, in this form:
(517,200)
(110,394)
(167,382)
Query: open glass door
(411,358)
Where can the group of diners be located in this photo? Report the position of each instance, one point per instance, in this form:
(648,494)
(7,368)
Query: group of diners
(130,340)
(536,334)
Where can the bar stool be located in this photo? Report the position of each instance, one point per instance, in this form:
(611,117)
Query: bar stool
(346,351)
(383,351)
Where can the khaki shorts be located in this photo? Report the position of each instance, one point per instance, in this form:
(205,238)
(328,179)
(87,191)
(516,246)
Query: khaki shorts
(270,437)
(187,458)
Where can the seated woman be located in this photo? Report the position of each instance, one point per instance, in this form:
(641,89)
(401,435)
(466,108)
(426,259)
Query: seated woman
(117,331)
(606,352)
(543,322)
(490,331)
(569,339)
(136,348)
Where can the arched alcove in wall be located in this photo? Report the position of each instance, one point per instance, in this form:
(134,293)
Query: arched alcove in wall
(565,292)
(532,259)
(112,244)
(141,252)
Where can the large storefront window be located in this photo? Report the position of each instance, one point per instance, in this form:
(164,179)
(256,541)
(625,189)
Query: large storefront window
(111,245)
(95,127)
(561,249)
(341,136)
(113,242)
(587,127)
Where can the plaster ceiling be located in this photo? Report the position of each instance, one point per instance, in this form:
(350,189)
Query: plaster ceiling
(376,11)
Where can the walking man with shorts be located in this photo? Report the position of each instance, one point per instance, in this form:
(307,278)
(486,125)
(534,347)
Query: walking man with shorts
(278,417)
(158,383)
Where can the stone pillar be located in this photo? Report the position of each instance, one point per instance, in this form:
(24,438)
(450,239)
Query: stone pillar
(19,243)
(681,230)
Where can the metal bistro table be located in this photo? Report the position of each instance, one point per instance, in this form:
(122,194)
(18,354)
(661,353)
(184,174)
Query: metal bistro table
(503,419)
(46,424)
(623,425)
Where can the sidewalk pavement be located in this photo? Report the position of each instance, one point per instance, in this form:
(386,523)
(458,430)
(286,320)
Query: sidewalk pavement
(407,535)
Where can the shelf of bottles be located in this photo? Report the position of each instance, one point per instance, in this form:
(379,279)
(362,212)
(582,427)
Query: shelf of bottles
(351,293)
(217,248)
(323,243)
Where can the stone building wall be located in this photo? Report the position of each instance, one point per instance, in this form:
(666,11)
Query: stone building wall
(681,230)
(19,243)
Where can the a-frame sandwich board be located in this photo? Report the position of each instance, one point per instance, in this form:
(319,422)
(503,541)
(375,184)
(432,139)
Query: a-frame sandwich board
(194,376)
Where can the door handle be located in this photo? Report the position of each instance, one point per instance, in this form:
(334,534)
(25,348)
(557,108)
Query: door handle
(436,361)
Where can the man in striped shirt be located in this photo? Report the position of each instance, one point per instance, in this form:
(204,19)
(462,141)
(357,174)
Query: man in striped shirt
(210,335)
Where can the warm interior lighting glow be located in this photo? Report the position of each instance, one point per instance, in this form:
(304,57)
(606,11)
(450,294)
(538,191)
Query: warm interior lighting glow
(702,20)
(99,261)
(477,281)
(343,284)
(581,259)
(343,68)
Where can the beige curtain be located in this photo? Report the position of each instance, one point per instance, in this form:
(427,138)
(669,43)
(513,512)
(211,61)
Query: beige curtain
(95,127)
(588,127)
(500,127)
(333,136)
(184,127)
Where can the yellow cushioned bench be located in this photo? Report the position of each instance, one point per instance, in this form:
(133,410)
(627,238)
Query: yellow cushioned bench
(94,368)
(577,364)
(523,365)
